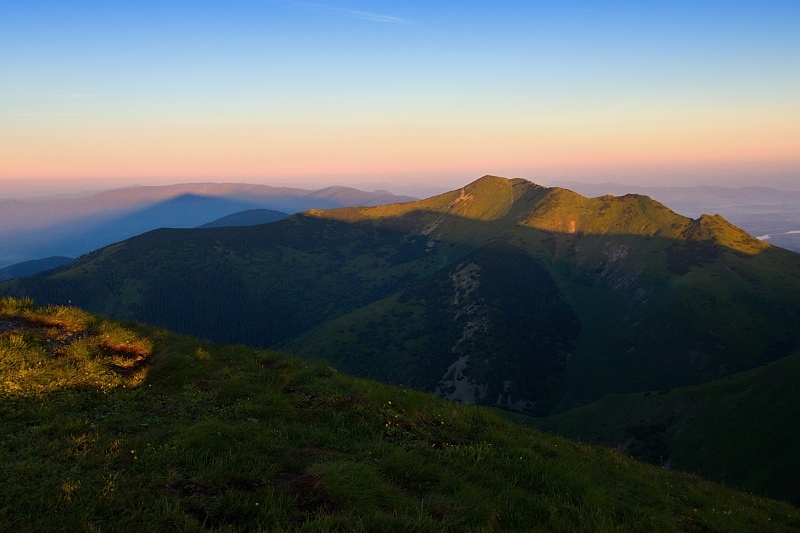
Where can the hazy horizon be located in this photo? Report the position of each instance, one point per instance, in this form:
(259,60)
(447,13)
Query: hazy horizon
(409,186)
(412,96)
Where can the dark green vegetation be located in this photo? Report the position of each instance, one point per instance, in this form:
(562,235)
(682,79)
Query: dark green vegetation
(29,268)
(130,428)
(503,293)
(742,429)
(249,217)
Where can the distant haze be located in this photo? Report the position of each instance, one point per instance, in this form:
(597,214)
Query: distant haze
(416,186)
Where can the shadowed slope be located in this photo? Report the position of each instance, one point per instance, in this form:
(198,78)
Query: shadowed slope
(250,217)
(29,268)
(739,430)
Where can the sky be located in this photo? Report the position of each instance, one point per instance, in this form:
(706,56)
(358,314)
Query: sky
(398,94)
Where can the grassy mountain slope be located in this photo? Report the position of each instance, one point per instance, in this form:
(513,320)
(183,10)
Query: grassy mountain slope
(660,299)
(256,284)
(739,430)
(29,268)
(770,213)
(697,299)
(250,217)
(463,332)
(126,427)
(503,292)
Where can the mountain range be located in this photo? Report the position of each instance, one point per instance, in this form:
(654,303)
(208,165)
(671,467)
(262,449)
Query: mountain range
(37,228)
(504,293)
(33,229)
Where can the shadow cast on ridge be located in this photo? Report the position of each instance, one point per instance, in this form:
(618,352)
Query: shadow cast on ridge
(380,298)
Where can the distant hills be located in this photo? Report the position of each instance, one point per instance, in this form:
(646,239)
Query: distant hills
(34,266)
(503,293)
(44,227)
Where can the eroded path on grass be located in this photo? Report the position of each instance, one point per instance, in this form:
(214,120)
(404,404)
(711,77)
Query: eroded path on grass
(42,353)
(10,325)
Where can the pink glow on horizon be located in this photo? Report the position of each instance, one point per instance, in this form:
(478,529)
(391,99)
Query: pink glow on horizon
(224,152)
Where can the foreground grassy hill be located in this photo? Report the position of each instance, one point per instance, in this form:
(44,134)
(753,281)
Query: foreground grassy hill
(740,430)
(125,427)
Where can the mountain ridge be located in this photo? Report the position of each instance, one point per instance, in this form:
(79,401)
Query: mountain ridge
(29,268)
(30,229)
(249,217)
(554,209)
(619,264)
(502,292)
(762,211)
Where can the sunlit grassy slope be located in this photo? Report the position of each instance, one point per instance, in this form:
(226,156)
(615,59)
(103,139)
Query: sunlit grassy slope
(129,428)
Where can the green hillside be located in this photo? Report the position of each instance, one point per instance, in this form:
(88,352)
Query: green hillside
(741,430)
(503,293)
(123,427)
(427,336)
(249,217)
(661,300)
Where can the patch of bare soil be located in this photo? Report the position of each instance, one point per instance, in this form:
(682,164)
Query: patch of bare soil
(57,337)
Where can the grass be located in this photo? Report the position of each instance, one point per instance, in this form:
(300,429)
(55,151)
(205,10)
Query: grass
(109,426)
(734,429)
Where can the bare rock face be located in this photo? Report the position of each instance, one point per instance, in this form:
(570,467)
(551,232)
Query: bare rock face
(456,383)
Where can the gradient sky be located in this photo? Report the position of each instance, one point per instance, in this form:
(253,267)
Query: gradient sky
(403,92)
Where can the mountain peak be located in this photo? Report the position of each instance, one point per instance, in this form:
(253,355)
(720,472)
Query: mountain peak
(487,198)
(564,211)
(555,209)
(517,201)
(715,228)
(490,183)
